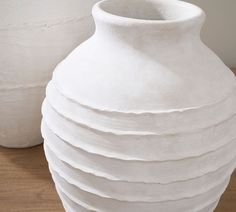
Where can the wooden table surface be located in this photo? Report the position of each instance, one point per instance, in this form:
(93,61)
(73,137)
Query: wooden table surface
(26,185)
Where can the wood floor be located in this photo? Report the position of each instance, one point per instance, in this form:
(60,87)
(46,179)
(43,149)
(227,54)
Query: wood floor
(25,182)
(26,185)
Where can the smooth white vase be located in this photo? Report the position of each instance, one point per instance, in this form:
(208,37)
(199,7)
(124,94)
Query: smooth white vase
(141,116)
(34,37)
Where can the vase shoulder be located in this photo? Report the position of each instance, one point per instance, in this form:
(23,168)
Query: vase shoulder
(118,77)
(149,60)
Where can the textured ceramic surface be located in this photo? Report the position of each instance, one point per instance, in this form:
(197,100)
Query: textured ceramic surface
(141,116)
(35,36)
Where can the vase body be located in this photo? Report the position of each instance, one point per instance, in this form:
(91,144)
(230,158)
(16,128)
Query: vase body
(141,116)
(35,36)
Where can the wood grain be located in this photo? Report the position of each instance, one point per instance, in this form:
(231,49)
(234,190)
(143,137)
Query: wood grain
(234,70)
(26,185)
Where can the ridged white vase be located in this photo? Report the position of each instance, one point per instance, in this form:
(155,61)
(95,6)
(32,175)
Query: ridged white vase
(141,116)
(34,37)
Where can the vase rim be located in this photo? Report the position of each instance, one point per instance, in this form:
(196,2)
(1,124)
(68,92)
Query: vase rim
(188,12)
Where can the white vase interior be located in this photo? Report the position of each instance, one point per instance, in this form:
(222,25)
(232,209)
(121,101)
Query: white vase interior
(150,9)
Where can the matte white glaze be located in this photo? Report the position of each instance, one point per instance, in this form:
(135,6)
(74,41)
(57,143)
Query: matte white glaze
(146,171)
(131,191)
(35,36)
(140,147)
(74,207)
(152,65)
(141,116)
(107,204)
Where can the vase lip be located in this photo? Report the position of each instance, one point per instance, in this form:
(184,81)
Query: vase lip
(103,10)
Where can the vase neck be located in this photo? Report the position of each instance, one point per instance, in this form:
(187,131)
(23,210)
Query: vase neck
(159,21)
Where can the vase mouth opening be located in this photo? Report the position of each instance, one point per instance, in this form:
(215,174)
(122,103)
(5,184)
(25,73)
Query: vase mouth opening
(147,11)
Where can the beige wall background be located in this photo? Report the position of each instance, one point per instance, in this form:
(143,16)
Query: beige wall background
(219,31)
